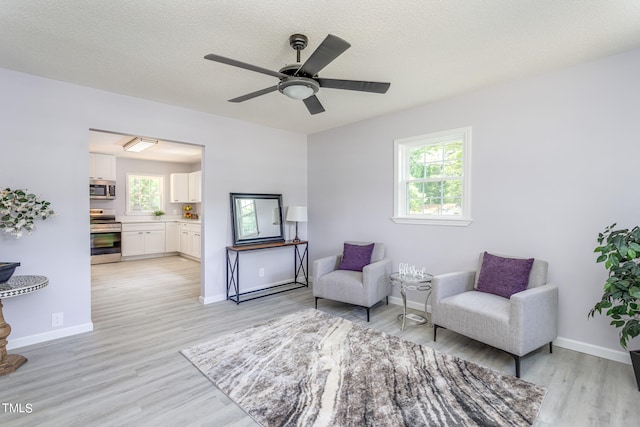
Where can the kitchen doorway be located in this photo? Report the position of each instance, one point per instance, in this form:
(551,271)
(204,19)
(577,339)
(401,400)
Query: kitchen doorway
(157,206)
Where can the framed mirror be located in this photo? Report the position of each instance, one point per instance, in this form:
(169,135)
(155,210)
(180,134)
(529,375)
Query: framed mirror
(256,218)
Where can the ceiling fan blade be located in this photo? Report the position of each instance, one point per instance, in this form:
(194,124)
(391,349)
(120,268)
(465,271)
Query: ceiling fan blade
(375,87)
(254,94)
(329,49)
(239,64)
(313,104)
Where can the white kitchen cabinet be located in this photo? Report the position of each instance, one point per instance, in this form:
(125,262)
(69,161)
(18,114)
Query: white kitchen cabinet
(185,242)
(154,242)
(102,166)
(143,238)
(132,243)
(196,249)
(190,240)
(179,187)
(185,187)
(172,237)
(195,180)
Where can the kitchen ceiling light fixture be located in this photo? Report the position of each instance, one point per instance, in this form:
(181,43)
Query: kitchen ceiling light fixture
(137,145)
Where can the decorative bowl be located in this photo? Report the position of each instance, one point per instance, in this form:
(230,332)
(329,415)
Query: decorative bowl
(6,270)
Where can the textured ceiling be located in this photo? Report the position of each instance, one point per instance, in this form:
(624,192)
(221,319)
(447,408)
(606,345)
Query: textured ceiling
(427,49)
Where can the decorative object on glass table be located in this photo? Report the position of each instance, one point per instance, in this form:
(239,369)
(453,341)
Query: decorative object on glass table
(410,271)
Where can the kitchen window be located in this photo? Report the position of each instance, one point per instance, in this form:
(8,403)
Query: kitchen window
(432,178)
(144,194)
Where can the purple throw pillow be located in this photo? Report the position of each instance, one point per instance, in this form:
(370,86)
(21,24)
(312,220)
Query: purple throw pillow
(355,257)
(504,276)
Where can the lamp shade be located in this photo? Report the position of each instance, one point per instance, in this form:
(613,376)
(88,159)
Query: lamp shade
(297,214)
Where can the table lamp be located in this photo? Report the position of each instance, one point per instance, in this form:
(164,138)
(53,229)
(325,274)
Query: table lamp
(297,214)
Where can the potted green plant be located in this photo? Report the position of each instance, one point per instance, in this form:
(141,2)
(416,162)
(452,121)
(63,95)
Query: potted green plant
(19,209)
(158,213)
(620,251)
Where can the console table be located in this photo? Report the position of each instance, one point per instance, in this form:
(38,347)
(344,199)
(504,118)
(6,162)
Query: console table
(300,268)
(16,285)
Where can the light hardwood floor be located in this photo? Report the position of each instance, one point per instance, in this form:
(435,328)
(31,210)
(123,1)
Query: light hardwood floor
(128,370)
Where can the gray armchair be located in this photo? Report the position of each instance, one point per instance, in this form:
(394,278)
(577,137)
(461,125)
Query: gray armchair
(518,325)
(363,288)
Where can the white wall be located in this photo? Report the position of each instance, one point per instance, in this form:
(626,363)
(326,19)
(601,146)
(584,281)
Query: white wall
(555,160)
(44,128)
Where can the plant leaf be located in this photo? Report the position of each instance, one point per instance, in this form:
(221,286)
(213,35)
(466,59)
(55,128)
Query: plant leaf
(635,292)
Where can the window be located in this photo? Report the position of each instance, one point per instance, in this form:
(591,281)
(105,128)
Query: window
(144,194)
(248,218)
(432,179)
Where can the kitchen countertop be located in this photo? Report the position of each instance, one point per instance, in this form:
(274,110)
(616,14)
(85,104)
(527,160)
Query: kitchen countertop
(167,218)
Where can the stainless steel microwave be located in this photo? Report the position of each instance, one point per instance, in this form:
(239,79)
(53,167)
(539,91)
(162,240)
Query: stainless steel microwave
(99,189)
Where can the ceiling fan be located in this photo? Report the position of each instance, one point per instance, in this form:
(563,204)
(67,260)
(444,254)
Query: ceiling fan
(301,81)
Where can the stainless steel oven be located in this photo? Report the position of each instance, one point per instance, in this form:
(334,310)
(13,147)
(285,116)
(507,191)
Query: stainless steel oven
(106,236)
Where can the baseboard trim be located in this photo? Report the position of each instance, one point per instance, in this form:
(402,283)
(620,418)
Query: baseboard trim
(410,304)
(49,336)
(222,297)
(593,350)
(211,300)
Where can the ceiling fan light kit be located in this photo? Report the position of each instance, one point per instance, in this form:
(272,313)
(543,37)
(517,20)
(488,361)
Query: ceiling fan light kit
(298,87)
(301,82)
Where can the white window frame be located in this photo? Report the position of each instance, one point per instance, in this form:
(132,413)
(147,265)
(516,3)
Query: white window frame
(243,203)
(128,189)
(401,156)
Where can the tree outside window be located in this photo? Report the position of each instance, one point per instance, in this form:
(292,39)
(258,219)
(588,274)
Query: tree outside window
(144,194)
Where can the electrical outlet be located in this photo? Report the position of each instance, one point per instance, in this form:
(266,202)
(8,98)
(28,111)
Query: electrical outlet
(261,272)
(57,319)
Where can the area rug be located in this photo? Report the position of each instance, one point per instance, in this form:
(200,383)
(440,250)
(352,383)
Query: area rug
(314,369)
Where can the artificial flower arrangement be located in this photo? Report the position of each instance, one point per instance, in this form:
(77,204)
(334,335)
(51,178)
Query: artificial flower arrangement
(19,209)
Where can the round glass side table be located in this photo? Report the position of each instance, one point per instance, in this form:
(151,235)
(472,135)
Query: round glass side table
(409,282)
